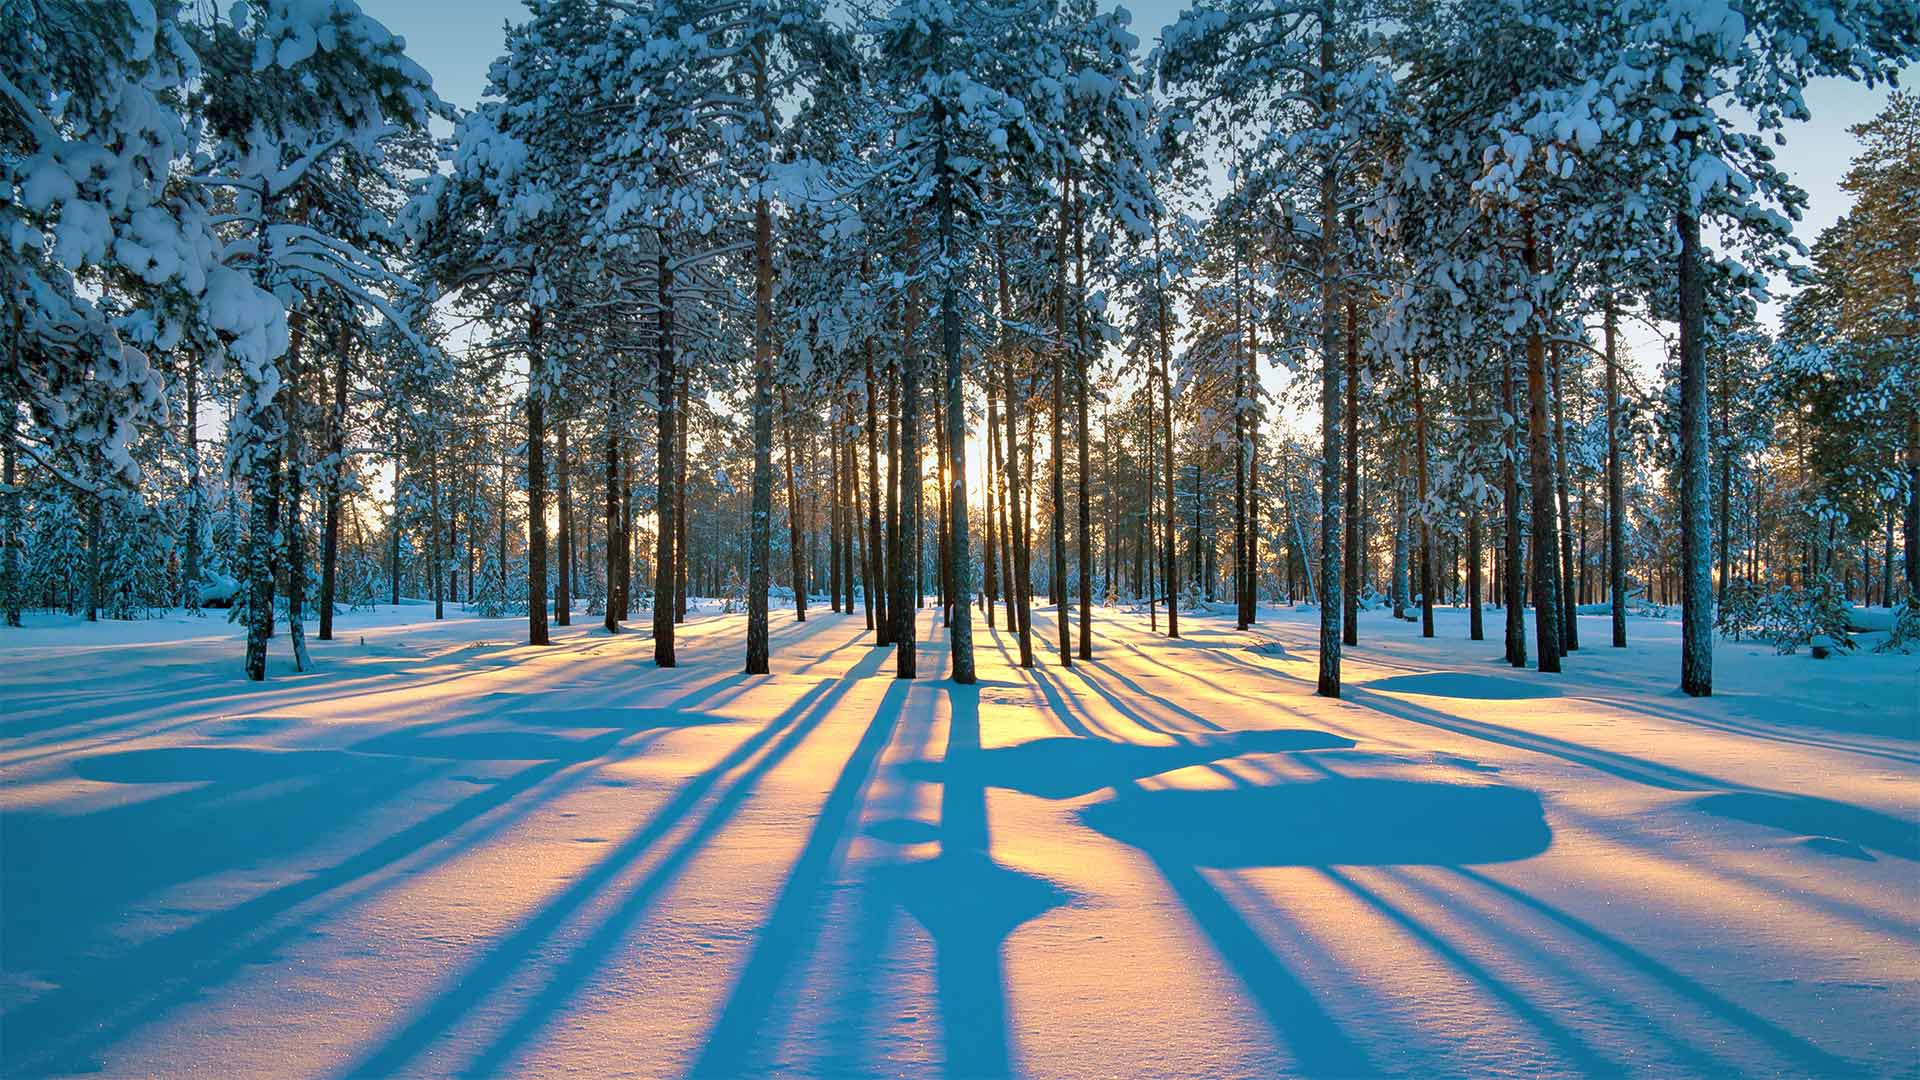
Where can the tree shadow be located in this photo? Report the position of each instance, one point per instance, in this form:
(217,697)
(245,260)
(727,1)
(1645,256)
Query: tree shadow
(969,903)
(1066,767)
(1334,821)
(1461,684)
(734,777)
(249,811)
(787,938)
(1813,1059)
(1805,815)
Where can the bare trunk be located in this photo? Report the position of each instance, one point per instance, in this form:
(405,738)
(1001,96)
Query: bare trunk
(1546,597)
(1696,600)
(536,486)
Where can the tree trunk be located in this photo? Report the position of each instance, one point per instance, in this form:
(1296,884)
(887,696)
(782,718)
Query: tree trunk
(1332,601)
(262,513)
(796,537)
(989,552)
(563,485)
(1081,393)
(1696,601)
(666,557)
(1350,580)
(616,542)
(1511,588)
(907,536)
(834,501)
(1616,488)
(1569,601)
(1058,585)
(1546,597)
(759,555)
(1020,583)
(877,581)
(1166,437)
(191,567)
(960,634)
(536,485)
(1420,502)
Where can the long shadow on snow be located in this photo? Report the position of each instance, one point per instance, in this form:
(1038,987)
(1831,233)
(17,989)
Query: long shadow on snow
(969,904)
(99,998)
(1065,767)
(465,991)
(1317,1042)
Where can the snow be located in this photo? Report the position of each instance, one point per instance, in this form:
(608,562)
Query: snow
(445,852)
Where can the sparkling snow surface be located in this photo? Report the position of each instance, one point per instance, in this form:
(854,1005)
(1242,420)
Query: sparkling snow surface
(444,852)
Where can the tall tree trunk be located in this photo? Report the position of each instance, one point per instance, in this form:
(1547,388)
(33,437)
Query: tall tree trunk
(1350,581)
(990,550)
(877,581)
(1912,538)
(1511,587)
(960,634)
(1331,604)
(1058,586)
(760,553)
(563,485)
(796,537)
(393,521)
(616,542)
(536,484)
(896,555)
(1420,503)
(1616,488)
(1166,437)
(290,530)
(1081,392)
(1019,522)
(907,537)
(682,420)
(190,440)
(1569,601)
(435,510)
(834,500)
(10,502)
(1696,601)
(1546,597)
(666,556)
(262,523)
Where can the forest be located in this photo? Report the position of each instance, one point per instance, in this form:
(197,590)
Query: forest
(860,311)
(964,538)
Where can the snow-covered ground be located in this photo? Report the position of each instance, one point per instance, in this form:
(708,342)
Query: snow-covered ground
(444,852)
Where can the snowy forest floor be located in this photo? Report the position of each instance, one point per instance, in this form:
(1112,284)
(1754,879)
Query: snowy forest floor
(443,853)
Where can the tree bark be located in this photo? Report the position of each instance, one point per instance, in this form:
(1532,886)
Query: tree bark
(536,485)
(1058,585)
(1166,436)
(1696,599)
(1546,597)
(666,572)
(960,633)
(1511,587)
(563,490)
(1350,580)
(1081,392)
(1332,601)
(1569,601)
(1616,488)
(1420,503)
(796,536)
(1020,585)
(907,536)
